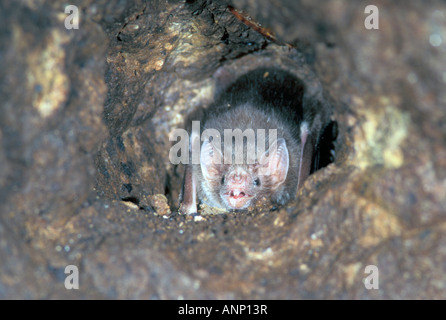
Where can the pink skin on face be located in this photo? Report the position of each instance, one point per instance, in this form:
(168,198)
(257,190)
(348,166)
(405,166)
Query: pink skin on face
(236,193)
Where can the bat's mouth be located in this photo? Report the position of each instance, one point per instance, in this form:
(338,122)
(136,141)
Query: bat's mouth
(238,199)
(236,194)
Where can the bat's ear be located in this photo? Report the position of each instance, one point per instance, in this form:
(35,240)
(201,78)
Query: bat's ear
(210,159)
(275,162)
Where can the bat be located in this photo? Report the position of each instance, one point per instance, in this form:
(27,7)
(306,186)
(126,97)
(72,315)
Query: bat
(259,140)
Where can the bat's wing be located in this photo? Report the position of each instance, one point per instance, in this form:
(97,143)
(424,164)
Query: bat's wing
(306,154)
(188,198)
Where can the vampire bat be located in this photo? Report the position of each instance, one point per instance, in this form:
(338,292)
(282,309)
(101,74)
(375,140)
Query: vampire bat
(229,178)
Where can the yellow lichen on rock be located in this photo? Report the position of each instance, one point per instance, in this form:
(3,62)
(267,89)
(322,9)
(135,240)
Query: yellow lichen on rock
(46,77)
(159,203)
(382,225)
(380,134)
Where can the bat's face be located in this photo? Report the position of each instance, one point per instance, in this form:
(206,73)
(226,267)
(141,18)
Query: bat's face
(240,185)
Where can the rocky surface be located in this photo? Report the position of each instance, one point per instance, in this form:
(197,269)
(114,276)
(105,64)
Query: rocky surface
(85,177)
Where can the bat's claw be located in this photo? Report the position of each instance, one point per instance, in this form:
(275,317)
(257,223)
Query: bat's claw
(187,209)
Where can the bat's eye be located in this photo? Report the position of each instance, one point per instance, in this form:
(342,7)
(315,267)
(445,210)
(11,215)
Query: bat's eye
(257,182)
(222,180)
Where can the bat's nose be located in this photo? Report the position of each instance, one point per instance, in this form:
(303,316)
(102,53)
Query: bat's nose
(238,177)
(238,181)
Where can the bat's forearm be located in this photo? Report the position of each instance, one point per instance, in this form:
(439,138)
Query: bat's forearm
(189,193)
